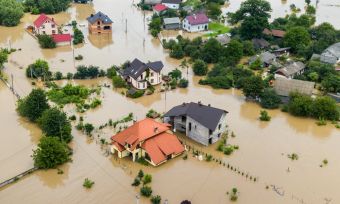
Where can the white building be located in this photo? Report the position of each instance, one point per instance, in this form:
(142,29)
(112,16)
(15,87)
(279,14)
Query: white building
(45,25)
(172,4)
(140,74)
(196,23)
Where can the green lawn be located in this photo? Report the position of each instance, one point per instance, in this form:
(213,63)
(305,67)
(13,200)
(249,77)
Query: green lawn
(216,29)
(193,3)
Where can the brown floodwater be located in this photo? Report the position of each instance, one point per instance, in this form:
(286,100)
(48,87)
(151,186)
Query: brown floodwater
(263,146)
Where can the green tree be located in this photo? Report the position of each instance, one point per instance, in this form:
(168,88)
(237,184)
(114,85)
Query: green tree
(232,53)
(78,36)
(300,105)
(214,10)
(297,38)
(264,116)
(175,74)
(48,6)
(331,83)
(156,199)
(326,108)
(118,82)
(256,65)
(211,51)
(54,123)
(33,105)
(38,69)
(50,153)
(46,41)
(269,99)
(253,16)
(200,68)
(3,58)
(11,12)
(146,191)
(177,51)
(253,87)
(248,48)
(88,128)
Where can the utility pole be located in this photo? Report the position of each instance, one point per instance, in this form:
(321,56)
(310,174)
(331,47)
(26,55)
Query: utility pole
(137,199)
(125,25)
(12,83)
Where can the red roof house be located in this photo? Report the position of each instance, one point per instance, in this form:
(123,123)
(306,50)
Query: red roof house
(149,139)
(62,39)
(274,32)
(45,25)
(158,8)
(196,22)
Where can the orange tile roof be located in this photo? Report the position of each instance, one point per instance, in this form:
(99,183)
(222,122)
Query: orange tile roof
(140,131)
(161,146)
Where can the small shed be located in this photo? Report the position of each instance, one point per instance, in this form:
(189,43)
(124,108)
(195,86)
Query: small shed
(172,23)
(284,87)
(223,39)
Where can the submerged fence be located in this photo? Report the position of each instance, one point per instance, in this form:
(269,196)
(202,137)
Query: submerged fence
(17,177)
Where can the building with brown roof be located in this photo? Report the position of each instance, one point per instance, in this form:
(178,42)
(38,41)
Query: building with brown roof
(149,139)
(274,33)
(283,87)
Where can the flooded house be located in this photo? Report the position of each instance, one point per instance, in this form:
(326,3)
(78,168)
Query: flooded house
(283,87)
(172,4)
(266,58)
(260,43)
(202,123)
(141,74)
(291,70)
(147,139)
(331,55)
(99,23)
(274,32)
(196,22)
(171,23)
(159,9)
(45,25)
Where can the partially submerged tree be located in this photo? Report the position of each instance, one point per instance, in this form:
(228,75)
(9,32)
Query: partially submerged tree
(11,12)
(50,153)
(33,105)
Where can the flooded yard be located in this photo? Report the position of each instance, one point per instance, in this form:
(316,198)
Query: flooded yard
(263,146)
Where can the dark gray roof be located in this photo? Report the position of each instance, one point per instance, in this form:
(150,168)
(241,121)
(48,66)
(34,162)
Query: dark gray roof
(291,68)
(265,57)
(331,54)
(137,67)
(260,43)
(205,115)
(99,16)
(172,1)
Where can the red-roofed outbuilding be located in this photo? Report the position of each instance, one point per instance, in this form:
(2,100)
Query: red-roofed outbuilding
(149,139)
(62,39)
(159,8)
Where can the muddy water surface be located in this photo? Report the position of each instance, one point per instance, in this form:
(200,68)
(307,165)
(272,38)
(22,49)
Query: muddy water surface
(263,146)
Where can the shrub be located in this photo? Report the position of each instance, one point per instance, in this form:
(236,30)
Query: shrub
(156,199)
(46,41)
(58,75)
(200,68)
(118,82)
(269,99)
(183,83)
(111,72)
(147,179)
(88,128)
(84,72)
(88,183)
(146,191)
(79,57)
(264,116)
(175,74)
(293,156)
(228,150)
(140,174)
(136,94)
(73,117)
(136,182)
(38,69)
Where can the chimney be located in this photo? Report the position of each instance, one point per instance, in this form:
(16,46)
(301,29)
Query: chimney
(183,104)
(199,103)
(209,104)
(155,129)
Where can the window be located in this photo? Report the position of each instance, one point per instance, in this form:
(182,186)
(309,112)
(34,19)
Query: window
(151,74)
(189,126)
(53,26)
(151,81)
(98,23)
(210,132)
(219,126)
(53,31)
(44,32)
(183,119)
(195,127)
